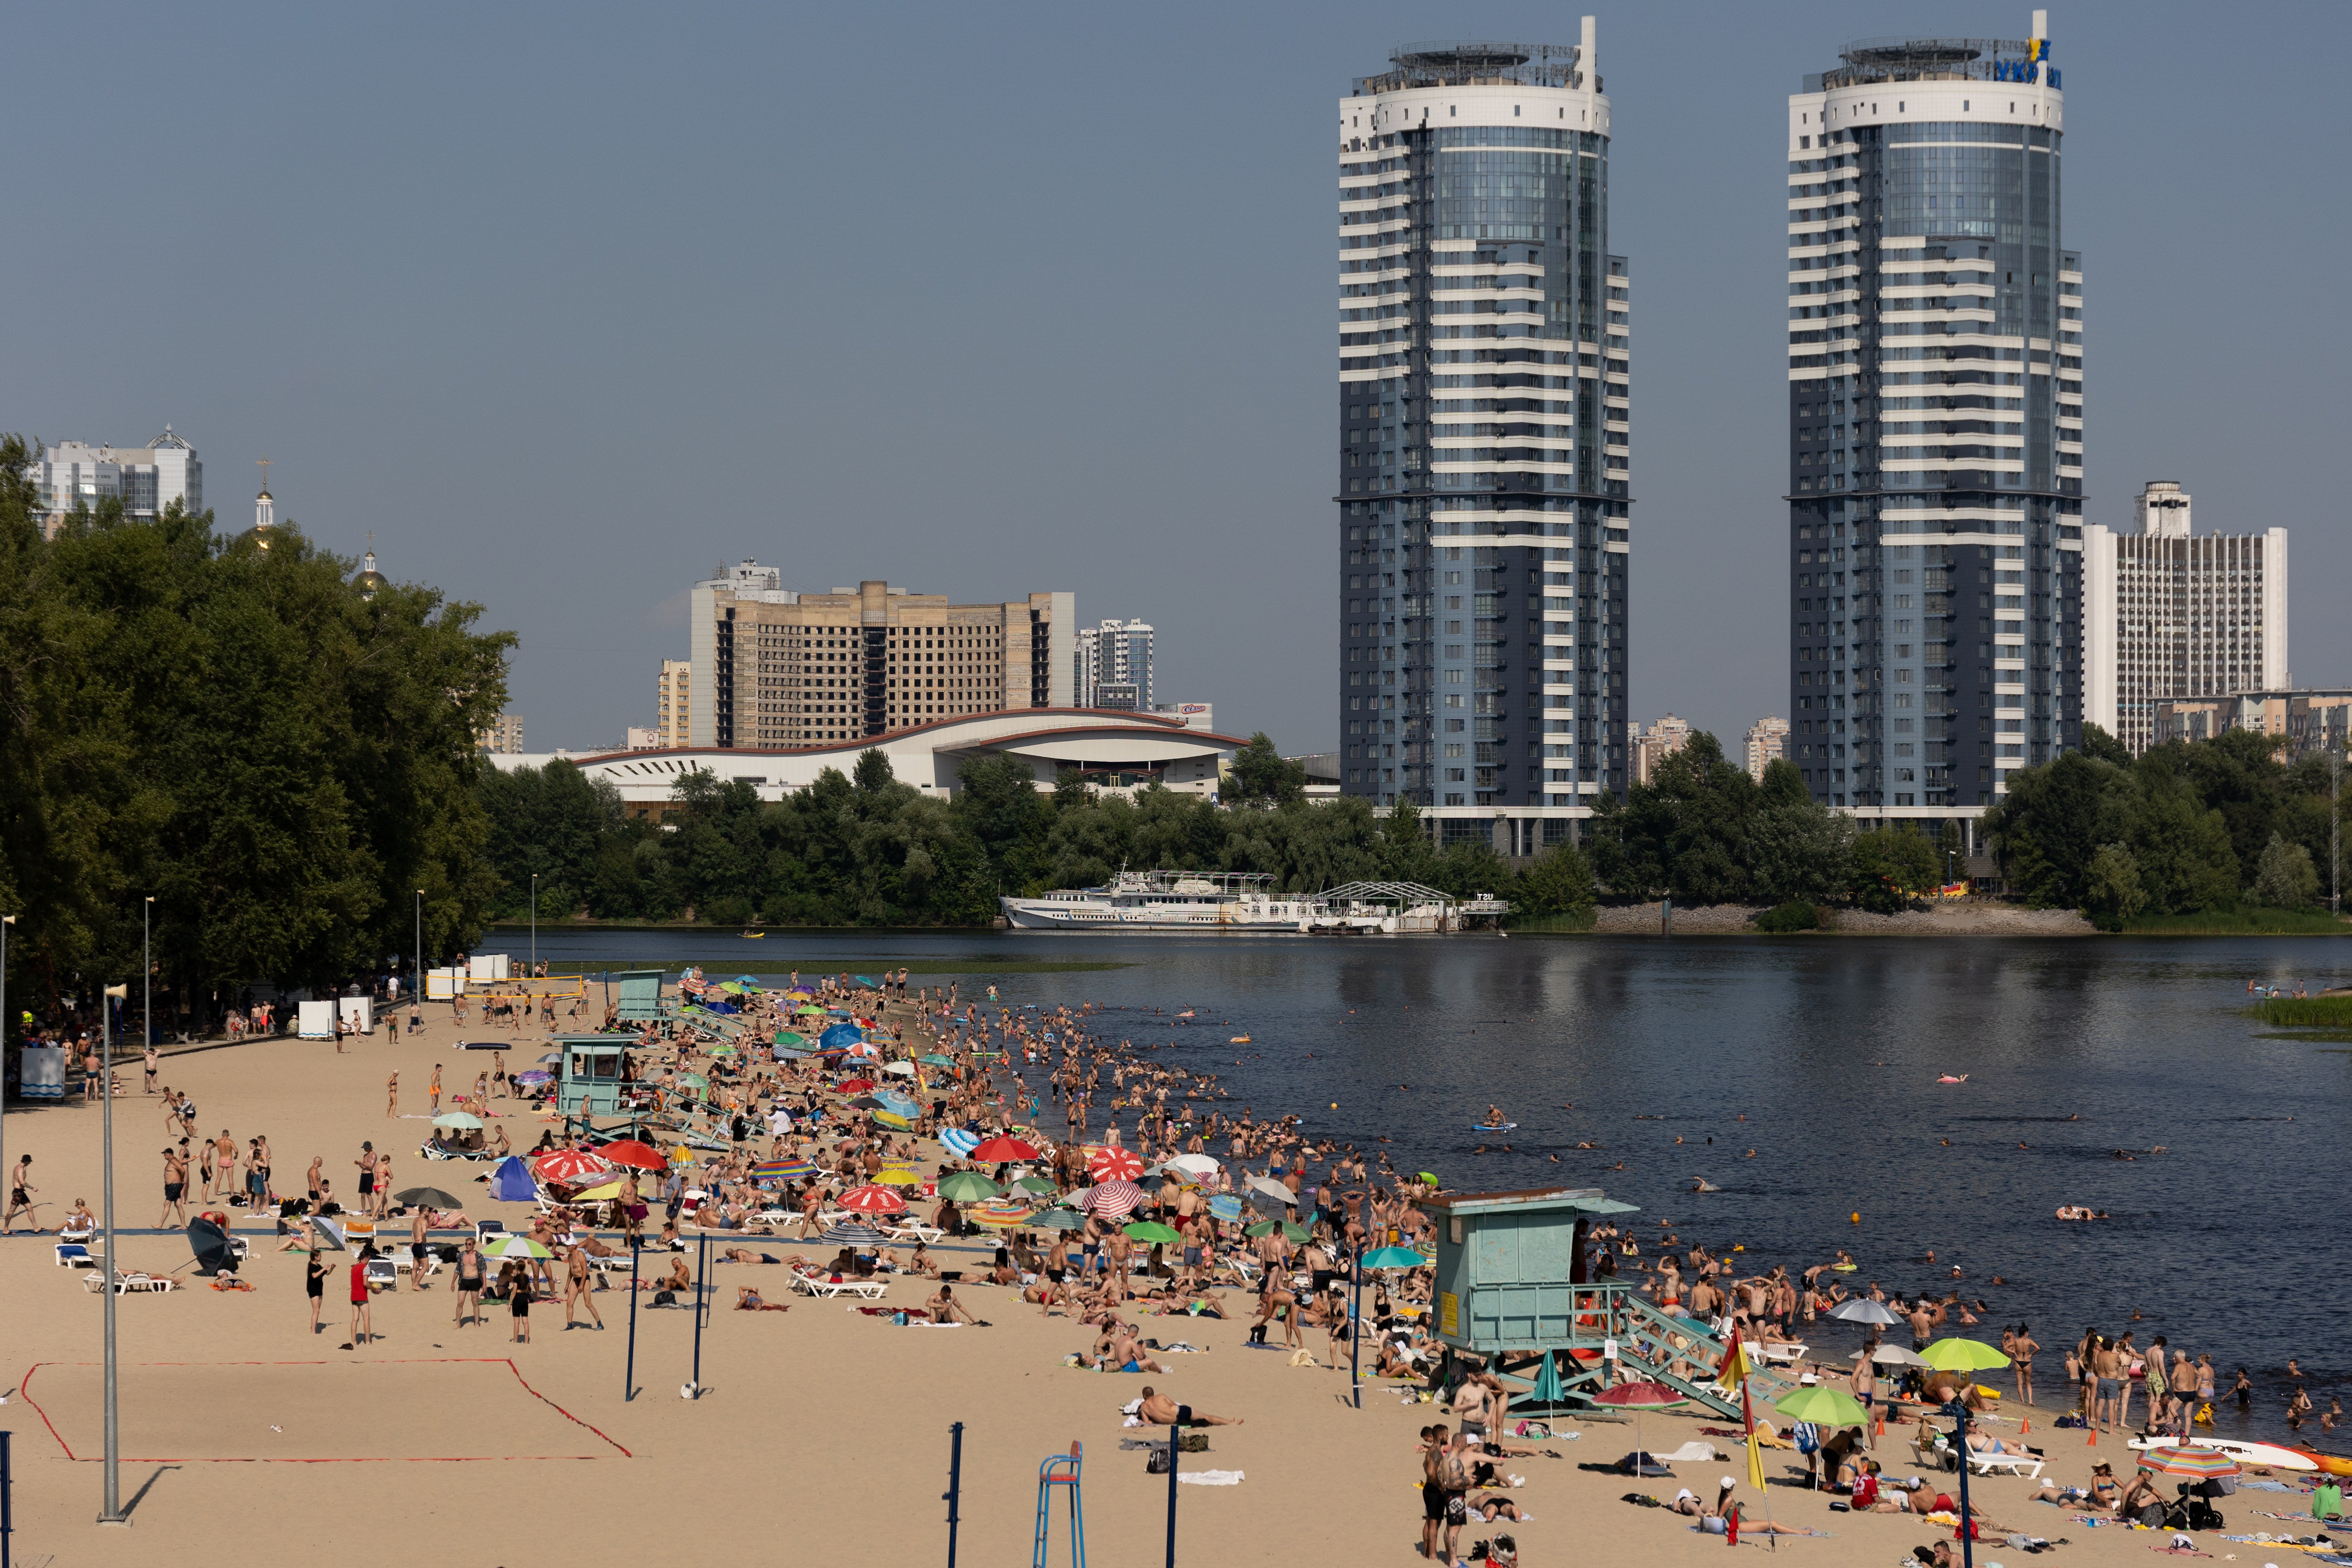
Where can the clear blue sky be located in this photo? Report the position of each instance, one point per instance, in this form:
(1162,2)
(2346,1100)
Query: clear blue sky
(568,304)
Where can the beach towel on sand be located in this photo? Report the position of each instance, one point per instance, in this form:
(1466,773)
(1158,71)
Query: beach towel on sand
(1211,1477)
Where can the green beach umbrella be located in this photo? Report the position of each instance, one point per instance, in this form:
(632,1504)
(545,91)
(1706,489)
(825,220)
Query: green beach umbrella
(1295,1232)
(457,1118)
(1957,1354)
(786,1037)
(1057,1220)
(937,1060)
(1393,1258)
(968,1187)
(693,1080)
(1039,1184)
(1149,1231)
(1546,1386)
(1822,1407)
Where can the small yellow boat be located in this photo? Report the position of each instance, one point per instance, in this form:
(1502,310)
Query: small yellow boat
(752,935)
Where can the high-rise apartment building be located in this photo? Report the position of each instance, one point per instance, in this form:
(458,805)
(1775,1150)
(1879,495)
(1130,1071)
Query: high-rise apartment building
(773,668)
(1484,408)
(1117,654)
(2169,615)
(503,734)
(1655,745)
(148,479)
(1935,425)
(1768,742)
(674,703)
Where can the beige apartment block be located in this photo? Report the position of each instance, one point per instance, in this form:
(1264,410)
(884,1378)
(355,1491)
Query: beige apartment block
(1768,742)
(775,669)
(503,734)
(674,703)
(1655,745)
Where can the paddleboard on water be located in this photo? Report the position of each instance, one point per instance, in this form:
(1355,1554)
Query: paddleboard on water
(2267,1454)
(1493,1127)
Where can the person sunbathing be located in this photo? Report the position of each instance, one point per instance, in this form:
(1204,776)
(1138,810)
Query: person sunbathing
(1492,1507)
(1156,1409)
(1983,1442)
(745,1254)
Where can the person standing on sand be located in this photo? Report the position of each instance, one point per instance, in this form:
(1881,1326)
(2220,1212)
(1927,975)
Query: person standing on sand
(432,1089)
(420,1249)
(384,1187)
(1866,1388)
(366,1163)
(1432,1487)
(151,1060)
(20,1196)
(2023,1350)
(575,1289)
(175,1188)
(315,1272)
(392,1096)
(363,1322)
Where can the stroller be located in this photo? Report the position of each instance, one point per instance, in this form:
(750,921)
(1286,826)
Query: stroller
(2194,1509)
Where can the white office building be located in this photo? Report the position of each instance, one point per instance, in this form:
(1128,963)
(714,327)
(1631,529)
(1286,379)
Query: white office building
(148,479)
(2170,616)
(1117,655)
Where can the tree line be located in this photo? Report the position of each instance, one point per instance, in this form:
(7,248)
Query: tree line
(275,757)
(866,848)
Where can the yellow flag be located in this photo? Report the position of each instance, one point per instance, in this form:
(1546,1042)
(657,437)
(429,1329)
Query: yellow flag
(1736,1365)
(1756,1463)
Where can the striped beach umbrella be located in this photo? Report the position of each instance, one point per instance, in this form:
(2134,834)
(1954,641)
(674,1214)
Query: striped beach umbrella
(569,1166)
(515,1246)
(1226,1206)
(1113,1199)
(854,1235)
(2190,1462)
(959,1141)
(781,1170)
(1105,1164)
(999,1214)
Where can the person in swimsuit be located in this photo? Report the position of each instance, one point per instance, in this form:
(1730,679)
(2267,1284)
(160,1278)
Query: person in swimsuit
(419,1249)
(315,1272)
(519,1303)
(20,1196)
(469,1283)
(1432,1487)
(2021,1351)
(176,1186)
(362,1322)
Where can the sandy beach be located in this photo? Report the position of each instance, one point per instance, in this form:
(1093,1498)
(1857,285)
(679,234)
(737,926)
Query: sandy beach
(820,1429)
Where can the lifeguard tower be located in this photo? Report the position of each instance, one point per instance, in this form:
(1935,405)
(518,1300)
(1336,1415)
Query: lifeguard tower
(1513,1286)
(641,996)
(588,1079)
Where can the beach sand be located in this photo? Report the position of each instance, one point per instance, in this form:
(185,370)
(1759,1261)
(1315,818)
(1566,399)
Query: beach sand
(821,1432)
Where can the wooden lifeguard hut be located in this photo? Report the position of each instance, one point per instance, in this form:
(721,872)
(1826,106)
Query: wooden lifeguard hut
(1515,1286)
(589,1080)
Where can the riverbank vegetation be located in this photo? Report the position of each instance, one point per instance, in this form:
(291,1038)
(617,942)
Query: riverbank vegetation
(277,759)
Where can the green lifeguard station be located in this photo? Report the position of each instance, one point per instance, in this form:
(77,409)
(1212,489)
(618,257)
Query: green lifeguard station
(1513,1286)
(641,996)
(588,1079)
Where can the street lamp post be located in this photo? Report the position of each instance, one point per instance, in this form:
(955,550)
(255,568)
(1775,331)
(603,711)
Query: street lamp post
(147,972)
(417,978)
(6,922)
(534,922)
(108,1266)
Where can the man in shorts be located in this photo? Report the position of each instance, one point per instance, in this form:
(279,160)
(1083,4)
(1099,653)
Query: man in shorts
(1432,1487)
(175,1187)
(419,1249)
(1159,1410)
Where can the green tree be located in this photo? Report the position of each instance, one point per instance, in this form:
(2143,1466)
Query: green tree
(1683,832)
(1259,776)
(1559,882)
(2285,878)
(1890,867)
(2100,746)
(2112,893)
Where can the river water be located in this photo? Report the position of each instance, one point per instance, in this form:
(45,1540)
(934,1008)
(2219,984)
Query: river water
(1675,1058)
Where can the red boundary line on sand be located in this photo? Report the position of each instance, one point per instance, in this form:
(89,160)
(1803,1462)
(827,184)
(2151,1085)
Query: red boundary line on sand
(24,1391)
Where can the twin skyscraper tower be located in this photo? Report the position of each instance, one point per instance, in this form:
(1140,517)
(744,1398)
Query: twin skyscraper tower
(1934,494)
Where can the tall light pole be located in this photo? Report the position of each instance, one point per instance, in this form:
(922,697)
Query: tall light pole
(534,923)
(147,973)
(6,922)
(108,1266)
(416,996)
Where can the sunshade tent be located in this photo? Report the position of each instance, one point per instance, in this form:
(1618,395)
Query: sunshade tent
(1823,1406)
(899,1176)
(1038,1185)
(841,1036)
(533,1074)
(1274,1190)
(1226,1206)
(864,979)
(904,1069)
(959,1142)
(773,1170)
(854,1085)
(786,1037)
(512,1182)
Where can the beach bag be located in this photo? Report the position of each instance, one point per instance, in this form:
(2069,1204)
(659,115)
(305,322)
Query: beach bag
(1155,1463)
(665,1297)
(1193,1442)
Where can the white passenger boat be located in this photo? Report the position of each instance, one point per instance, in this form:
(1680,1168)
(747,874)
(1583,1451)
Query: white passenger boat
(1240,901)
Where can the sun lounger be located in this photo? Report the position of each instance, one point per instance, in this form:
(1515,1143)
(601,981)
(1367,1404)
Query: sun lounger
(1783,1354)
(913,1230)
(2024,1465)
(1937,1453)
(75,1255)
(132,1282)
(826,1287)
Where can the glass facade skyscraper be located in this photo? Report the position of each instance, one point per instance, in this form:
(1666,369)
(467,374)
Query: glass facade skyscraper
(1935,426)
(1484,409)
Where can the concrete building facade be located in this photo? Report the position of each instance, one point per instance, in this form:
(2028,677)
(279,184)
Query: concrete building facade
(1485,405)
(1935,477)
(2169,615)
(776,669)
(1117,654)
(503,735)
(1766,743)
(2312,722)
(148,479)
(674,703)
(1655,745)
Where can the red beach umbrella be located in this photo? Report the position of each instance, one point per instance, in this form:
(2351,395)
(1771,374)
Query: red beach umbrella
(567,1165)
(855,1086)
(1105,1164)
(638,1156)
(1001,1149)
(873,1199)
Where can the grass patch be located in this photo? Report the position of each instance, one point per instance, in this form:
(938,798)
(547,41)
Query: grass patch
(2243,922)
(2303,1012)
(1567,920)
